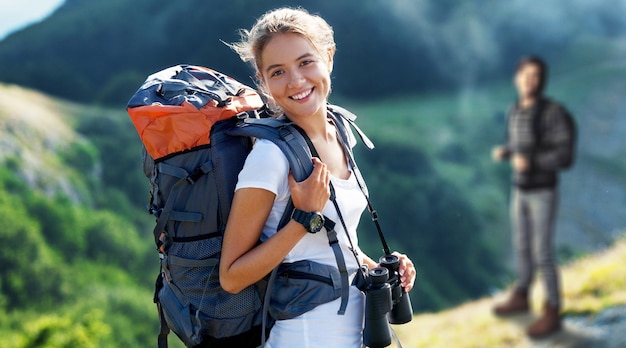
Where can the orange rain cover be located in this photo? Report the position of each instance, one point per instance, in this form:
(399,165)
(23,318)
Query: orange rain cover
(167,129)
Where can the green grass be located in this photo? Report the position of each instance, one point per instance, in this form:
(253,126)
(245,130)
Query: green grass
(590,284)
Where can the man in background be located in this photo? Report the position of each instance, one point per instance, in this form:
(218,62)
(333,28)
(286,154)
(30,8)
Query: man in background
(540,143)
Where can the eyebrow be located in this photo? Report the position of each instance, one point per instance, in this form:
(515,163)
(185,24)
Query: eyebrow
(267,70)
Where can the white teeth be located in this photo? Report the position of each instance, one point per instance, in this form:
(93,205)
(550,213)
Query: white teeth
(301,95)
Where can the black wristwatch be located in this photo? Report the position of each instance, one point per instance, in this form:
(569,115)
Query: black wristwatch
(312,222)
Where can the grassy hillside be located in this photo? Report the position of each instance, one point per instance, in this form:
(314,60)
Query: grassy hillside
(590,284)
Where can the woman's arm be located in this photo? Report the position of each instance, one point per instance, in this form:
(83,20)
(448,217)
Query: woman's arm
(244,261)
(369,262)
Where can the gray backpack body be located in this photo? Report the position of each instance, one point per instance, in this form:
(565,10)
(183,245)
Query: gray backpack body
(191,194)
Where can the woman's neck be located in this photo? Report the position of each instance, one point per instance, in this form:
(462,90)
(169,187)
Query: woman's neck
(315,126)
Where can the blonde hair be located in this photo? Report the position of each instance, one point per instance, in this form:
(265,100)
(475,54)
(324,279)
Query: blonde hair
(281,21)
(284,20)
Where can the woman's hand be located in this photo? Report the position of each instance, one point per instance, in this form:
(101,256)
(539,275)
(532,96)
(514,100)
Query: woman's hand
(406,270)
(312,193)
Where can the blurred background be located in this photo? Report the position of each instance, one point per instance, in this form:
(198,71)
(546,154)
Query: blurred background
(430,81)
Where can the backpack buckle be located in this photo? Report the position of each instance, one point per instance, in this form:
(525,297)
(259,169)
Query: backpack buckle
(195,175)
(244,115)
(154,211)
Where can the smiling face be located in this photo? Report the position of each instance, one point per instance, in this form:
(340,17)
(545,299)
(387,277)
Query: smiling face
(296,76)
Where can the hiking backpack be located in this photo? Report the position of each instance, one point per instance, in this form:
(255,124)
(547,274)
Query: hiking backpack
(197,127)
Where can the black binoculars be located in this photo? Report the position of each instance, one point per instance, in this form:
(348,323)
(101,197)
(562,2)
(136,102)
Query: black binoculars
(386,302)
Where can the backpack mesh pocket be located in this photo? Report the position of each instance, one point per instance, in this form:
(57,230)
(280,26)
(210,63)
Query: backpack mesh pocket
(201,284)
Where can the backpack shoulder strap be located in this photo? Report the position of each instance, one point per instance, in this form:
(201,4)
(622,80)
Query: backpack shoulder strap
(288,139)
(283,135)
(350,118)
(542,105)
(538,126)
(298,152)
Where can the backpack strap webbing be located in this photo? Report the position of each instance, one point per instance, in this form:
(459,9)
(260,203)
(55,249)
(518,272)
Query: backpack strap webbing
(167,213)
(164,329)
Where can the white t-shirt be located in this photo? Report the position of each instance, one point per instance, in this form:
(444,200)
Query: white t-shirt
(267,168)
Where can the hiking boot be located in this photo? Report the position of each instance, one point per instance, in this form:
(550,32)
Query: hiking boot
(547,324)
(517,303)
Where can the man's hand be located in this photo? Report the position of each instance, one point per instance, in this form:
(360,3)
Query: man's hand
(520,163)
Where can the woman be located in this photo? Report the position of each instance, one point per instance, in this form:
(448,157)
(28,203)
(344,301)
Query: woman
(292,52)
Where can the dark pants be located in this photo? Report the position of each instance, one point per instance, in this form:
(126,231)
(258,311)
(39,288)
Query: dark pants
(533,216)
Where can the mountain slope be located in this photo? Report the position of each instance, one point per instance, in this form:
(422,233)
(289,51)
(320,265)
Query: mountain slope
(77,268)
(38,141)
(99,51)
(128,42)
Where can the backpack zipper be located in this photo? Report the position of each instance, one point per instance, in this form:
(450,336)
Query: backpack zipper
(305,275)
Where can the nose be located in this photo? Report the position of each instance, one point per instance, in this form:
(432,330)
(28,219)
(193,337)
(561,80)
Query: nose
(296,79)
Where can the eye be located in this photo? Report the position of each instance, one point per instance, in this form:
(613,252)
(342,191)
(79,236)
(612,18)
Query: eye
(306,62)
(276,72)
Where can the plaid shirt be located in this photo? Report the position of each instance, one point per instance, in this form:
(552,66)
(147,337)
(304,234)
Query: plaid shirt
(548,142)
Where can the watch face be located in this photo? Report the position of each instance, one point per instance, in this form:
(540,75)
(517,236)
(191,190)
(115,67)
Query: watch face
(317,222)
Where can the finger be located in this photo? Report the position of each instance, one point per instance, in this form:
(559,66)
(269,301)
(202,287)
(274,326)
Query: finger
(326,177)
(401,262)
(406,271)
(323,173)
(316,160)
(407,282)
(412,278)
(319,168)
